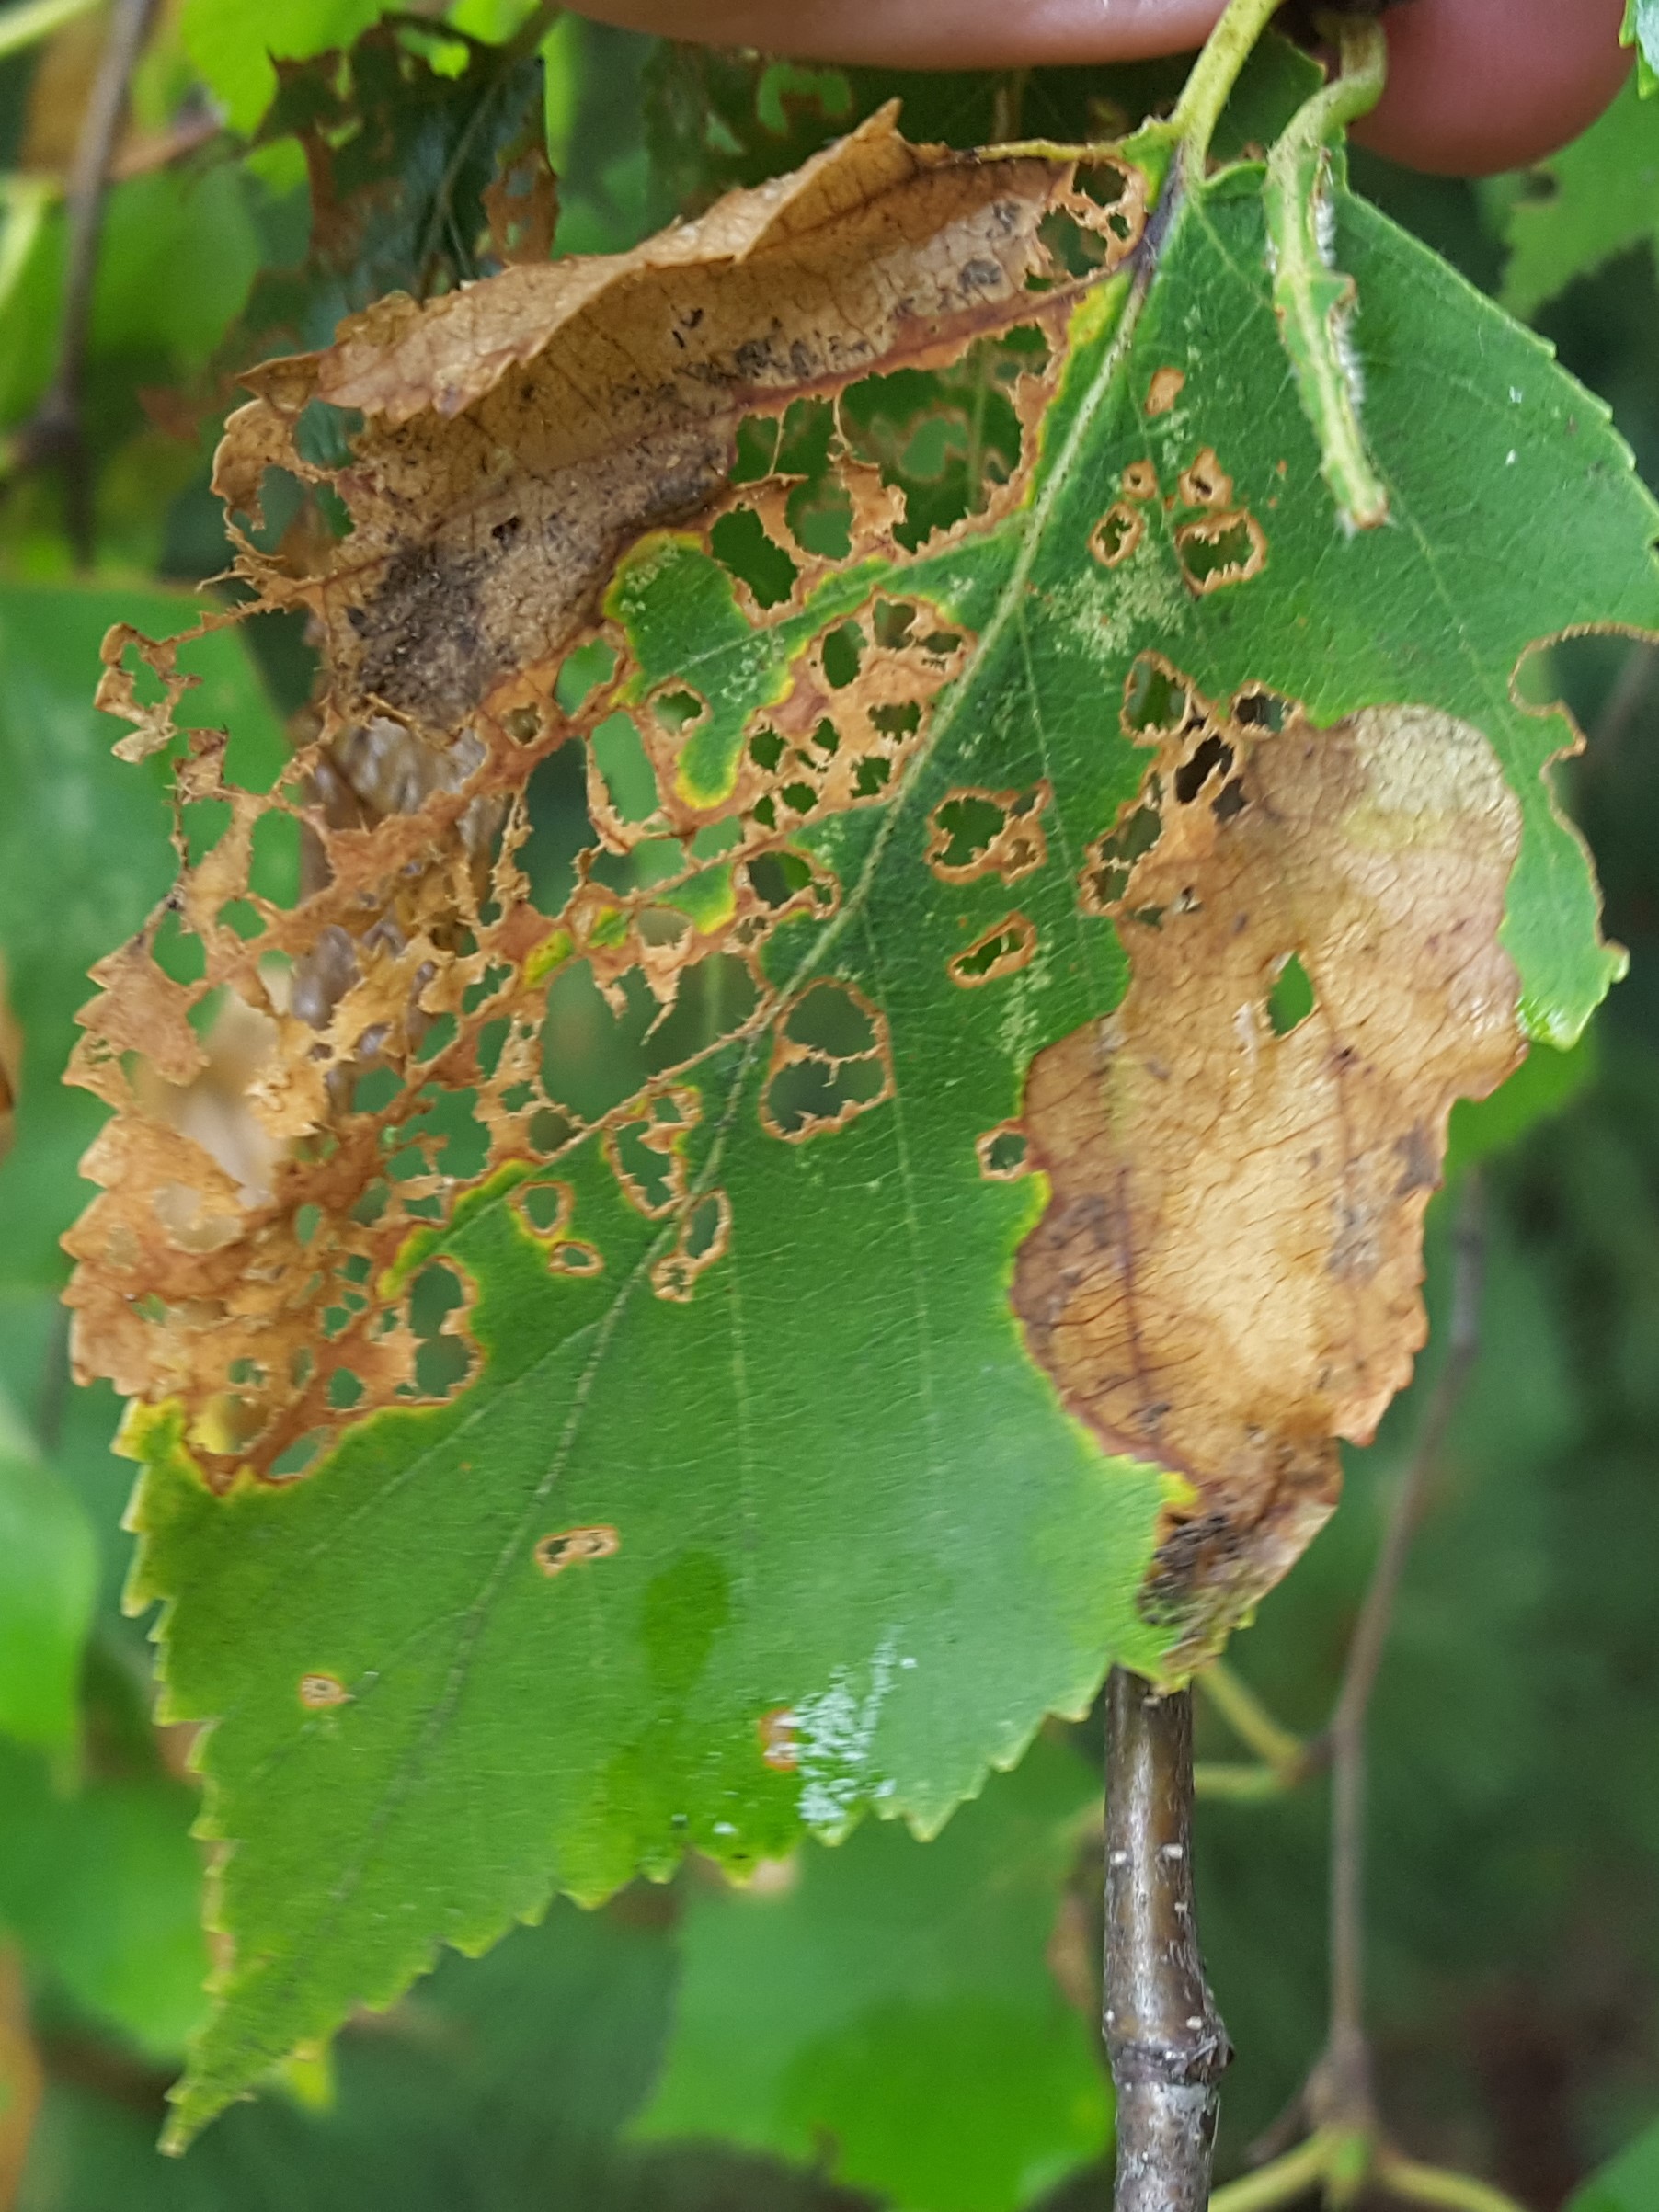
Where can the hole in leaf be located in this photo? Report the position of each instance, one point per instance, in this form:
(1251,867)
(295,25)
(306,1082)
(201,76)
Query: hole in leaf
(1001,951)
(979,833)
(777,877)
(345,1390)
(830,1063)
(833,1020)
(1004,1153)
(1213,757)
(581,673)
(676,710)
(237,915)
(820,517)
(964,829)
(947,438)
(179,953)
(549,1130)
(625,765)
(892,621)
(274,872)
(1156,702)
(647,1152)
(1292,997)
(302,1454)
(842,653)
(811,1095)
(444,1356)
(560,827)
(757,448)
(1221,550)
(896,718)
(1110,860)
(1075,249)
(1118,533)
(741,542)
(1258,710)
(705,1234)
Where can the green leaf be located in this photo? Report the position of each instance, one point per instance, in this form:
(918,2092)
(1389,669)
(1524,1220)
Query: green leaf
(1641,30)
(84,857)
(1631,2183)
(194,231)
(232,42)
(500,2086)
(894,2003)
(595,85)
(1544,1084)
(744,1508)
(718,118)
(48,1577)
(403,135)
(1595,198)
(102,1886)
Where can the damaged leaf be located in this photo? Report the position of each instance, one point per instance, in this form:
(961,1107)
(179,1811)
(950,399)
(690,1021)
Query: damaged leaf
(587,1350)
(1226,1280)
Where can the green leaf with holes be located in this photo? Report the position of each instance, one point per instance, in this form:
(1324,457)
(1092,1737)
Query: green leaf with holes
(611,1410)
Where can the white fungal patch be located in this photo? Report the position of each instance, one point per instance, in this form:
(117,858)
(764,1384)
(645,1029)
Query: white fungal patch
(833,1733)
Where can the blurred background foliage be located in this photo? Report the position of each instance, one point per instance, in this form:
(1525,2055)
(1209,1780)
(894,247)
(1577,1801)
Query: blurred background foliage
(892,2022)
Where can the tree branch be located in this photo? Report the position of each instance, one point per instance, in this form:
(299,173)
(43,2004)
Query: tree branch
(1164,2038)
(54,437)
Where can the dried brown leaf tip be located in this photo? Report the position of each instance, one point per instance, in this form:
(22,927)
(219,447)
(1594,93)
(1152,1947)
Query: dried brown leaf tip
(1227,1278)
(304,1096)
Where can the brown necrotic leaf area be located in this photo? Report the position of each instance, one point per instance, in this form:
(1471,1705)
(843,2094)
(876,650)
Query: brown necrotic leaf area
(298,1089)
(1227,1277)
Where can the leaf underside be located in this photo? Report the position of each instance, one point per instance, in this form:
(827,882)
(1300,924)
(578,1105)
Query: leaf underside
(584,1406)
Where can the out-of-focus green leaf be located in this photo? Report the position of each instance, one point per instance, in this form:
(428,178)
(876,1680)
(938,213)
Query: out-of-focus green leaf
(887,2007)
(1544,1084)
(48,1577)
(1593,200)
(102,1886)
(232,43)
(179,254)
(403,136)
(1629,2184)
(718,117)
(596,79)
(83,855)
(499,2088)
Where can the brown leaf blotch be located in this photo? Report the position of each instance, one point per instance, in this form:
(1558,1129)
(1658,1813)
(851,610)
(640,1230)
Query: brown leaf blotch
(573,1546)
(1227,1278)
